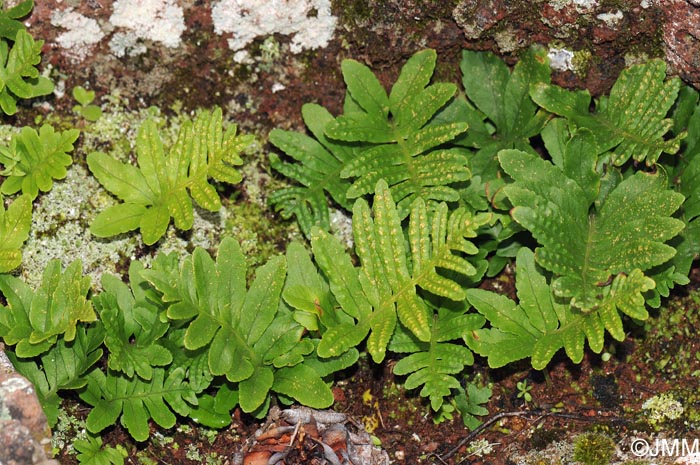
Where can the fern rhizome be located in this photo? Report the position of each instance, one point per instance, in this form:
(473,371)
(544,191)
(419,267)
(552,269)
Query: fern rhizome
(443,187)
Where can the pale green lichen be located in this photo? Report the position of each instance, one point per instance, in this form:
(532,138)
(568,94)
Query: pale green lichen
(635,58)
(662,407)
(558,452)
(60,230)
(68,429)
(611,18)
(341,227)
(508,41)
(4,412)
(479,448)
(581,6)
(206,232)
(563,59)
(269,52)
(115,132)
(251,222)
(7,132)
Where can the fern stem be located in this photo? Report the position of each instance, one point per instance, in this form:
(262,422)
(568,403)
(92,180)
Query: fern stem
(547,379)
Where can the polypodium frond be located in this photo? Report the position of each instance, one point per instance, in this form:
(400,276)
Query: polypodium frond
(33,160)
(632,122)
(402,146)
(137,401)
(15,222)
(539,324)
(33,320)
(434,364)
(133,328)
(504,98)
(249,337)
(11,19)
(160,188)
(19,77)
(684,176)
(591,236)
(390,274)
(320,161)
(62,367)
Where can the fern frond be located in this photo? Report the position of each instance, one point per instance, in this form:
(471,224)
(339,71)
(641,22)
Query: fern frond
(308,292)
(585,242)
(504,98)
(133,328)
(11,19)
(15,222)
(137,401)
(390,274)
(158,189)
(33,321)
(684,176)
(90,451)
(19,77)
(62,367)
(248,336)
(407,151)
(320,161)
(539,325)
(434,364)
(632,122)
(33,160)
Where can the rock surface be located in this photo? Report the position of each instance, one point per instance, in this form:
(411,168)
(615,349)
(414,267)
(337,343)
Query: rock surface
(24,431)
(681,35)
(193,66)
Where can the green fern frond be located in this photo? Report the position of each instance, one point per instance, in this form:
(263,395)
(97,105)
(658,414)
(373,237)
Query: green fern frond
(588,242)
(133,328)
(390,274)
(408,152)
(516,328)
(90,451)
(632,122)
(15,222)
(33,321)
(470,402)
(33,160)
(434,364)
(62,367)
(684,176)
(320,161)
(503,97)
(158,189)
(248,336)
(137,401)
(19,77)
(11,19)
(539,325)
(308,292)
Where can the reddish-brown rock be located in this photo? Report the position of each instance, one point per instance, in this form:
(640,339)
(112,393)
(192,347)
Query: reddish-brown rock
(24,431)
(681,33)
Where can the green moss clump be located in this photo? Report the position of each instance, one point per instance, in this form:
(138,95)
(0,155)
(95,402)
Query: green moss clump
(593,449)
(581,62)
